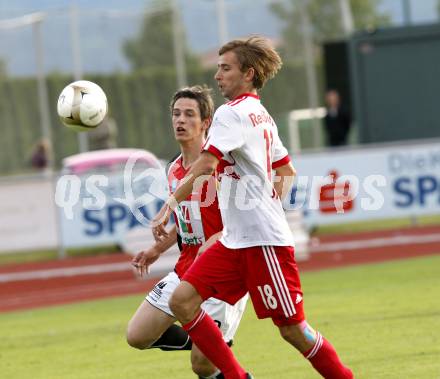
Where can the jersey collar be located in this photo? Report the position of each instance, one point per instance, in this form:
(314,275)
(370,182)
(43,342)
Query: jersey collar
(247,94)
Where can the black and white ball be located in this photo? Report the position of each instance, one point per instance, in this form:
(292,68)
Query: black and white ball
(82,105)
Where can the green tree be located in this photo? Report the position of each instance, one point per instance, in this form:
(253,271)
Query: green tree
(326,22)
(153,46)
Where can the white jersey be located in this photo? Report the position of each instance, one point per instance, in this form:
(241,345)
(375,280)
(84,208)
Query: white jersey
(245,138)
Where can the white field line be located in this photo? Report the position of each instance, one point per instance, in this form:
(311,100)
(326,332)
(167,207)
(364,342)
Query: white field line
(165,264)
(65,272)
(375,242)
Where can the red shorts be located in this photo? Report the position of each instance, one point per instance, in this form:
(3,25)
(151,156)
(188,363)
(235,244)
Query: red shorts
(268,273)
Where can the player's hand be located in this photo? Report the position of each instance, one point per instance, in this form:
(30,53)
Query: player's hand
(160,221)
(143,260)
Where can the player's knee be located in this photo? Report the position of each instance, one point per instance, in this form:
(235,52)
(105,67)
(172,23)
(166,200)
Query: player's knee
(183,304)
(181,309)
(301,336)
(136,341)
(177,303)
(292,335)
(288,333)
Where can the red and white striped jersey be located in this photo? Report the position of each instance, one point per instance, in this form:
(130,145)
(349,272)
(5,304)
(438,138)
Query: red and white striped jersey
(197,218)
(245,138)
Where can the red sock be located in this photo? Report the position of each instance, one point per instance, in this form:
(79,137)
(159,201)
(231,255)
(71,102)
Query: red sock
(325,360)
(205,333)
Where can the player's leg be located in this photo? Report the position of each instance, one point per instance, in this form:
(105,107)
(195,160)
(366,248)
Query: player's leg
(175,338)
(212,270)
(276,293)
(227,317)
(314,347)
(147,325)
(153,323)
(202,366)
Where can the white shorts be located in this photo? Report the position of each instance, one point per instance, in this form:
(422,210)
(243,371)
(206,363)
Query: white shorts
(225,315)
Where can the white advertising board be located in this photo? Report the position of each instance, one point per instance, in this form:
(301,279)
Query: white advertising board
(101,209)
(27,214)
(371,183)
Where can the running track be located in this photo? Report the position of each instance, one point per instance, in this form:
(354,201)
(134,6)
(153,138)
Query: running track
(78,279)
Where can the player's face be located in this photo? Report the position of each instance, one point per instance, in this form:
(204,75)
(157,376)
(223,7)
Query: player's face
(187,122)
(231,81)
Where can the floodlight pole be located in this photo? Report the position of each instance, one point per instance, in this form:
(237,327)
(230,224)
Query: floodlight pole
(179,51)
(43,99)
(406,6)
(347,17)
(222,21)
(44,114)
(83,141)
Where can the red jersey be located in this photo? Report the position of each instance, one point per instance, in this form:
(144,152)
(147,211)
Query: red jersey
(197,217)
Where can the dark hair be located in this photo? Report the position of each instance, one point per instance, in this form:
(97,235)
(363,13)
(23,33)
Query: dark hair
(201,94)
(255,52)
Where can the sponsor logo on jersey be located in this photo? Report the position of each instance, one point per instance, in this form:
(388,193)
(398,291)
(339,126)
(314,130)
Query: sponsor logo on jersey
(189,223)
(191,239)
(261,118)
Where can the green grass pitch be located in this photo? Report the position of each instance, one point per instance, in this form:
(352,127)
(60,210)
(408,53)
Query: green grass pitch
(384,320)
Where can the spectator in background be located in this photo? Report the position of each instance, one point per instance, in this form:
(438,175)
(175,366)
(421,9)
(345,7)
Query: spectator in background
(40,157)
(104,136)
(337,120)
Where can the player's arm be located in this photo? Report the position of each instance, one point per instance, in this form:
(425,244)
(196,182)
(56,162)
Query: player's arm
(283,181)
(144,259)
(201,170)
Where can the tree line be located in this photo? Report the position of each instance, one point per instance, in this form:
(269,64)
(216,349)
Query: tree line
(139,100)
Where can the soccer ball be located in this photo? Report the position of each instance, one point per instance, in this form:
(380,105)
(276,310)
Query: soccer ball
(82,105)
